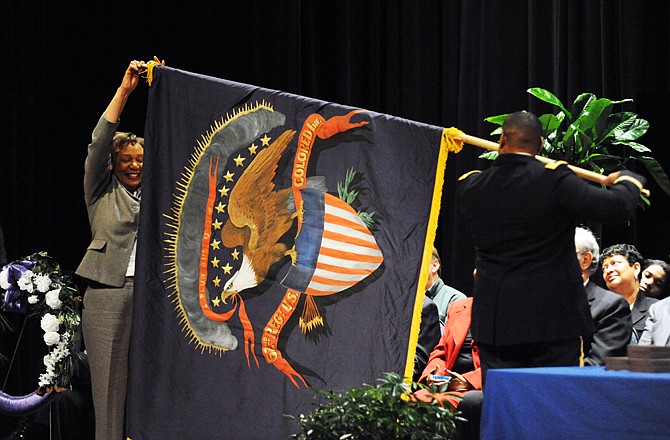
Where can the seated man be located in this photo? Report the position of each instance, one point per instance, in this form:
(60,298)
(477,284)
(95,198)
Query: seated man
(610,312)
(439,292)
(621,265)
(429,336)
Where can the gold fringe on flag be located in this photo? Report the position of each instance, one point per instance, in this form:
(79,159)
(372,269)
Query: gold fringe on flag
(448,143)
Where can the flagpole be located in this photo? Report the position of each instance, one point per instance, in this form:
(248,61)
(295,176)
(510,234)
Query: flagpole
(581,172)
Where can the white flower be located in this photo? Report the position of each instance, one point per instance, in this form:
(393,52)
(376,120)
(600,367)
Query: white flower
(49,323)
(53,300)
(4,278)
(32,299)
(26,281)
(51,338)
(43,282)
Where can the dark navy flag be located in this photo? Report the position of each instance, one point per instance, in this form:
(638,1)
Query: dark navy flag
(284,244)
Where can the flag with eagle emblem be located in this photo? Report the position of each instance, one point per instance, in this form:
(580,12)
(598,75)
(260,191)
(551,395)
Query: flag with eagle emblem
(275,229)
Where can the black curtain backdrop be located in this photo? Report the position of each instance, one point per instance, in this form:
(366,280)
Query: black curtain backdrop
(448,63)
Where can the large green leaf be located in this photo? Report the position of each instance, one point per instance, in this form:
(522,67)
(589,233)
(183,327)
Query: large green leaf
(633,131)
(592,113)
(581,103)
(549,97)
(656,171)
(622,101)
(498,120)
(550,123)
(490,155)
(601,125)
(584,143)
(634,145)
(617,122)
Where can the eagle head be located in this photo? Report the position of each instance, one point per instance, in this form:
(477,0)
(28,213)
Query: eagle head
(244,278)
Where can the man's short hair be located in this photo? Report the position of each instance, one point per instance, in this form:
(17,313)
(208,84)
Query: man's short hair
(523,130)
(628,251)
(436,256)
(585,241)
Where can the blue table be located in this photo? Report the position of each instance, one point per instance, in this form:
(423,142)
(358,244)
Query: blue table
(575,403)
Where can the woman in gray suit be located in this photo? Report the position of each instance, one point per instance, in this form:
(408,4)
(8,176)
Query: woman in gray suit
(112,189)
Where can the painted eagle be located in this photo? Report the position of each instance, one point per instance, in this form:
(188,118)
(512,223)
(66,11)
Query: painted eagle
(258,217)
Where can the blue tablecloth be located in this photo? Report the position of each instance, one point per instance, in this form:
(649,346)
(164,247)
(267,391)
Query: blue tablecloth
(575,403)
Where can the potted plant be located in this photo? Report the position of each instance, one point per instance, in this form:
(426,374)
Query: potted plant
(591,136)
(384,411)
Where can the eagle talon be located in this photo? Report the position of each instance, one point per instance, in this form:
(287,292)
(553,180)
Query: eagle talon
(293,254)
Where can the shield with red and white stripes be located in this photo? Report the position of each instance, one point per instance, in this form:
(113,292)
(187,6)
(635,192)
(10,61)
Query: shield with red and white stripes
(335,249)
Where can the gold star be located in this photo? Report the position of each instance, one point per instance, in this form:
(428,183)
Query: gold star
(227,268)
(217,224)
(215,262)
(239,160)
(235,254)
(224,191)
(217,281)
(215,244)
(265,140)
(216,301)
(219,207)
(252,149)
(228,176)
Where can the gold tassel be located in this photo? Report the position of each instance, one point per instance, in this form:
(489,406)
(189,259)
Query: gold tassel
(451,140)
(310,317)
(150,71)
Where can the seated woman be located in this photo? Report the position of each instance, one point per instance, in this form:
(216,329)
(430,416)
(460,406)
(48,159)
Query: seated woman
(621,265)
(654,279)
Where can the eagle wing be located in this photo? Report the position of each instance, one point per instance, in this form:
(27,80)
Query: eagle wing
(253,203)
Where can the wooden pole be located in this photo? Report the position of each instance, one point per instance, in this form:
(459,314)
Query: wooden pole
(581,172)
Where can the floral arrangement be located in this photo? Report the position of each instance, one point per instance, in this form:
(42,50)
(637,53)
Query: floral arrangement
(37,285)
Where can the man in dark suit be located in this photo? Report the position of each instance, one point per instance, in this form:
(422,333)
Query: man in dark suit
(530,307)
(610,312)
(429,336)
